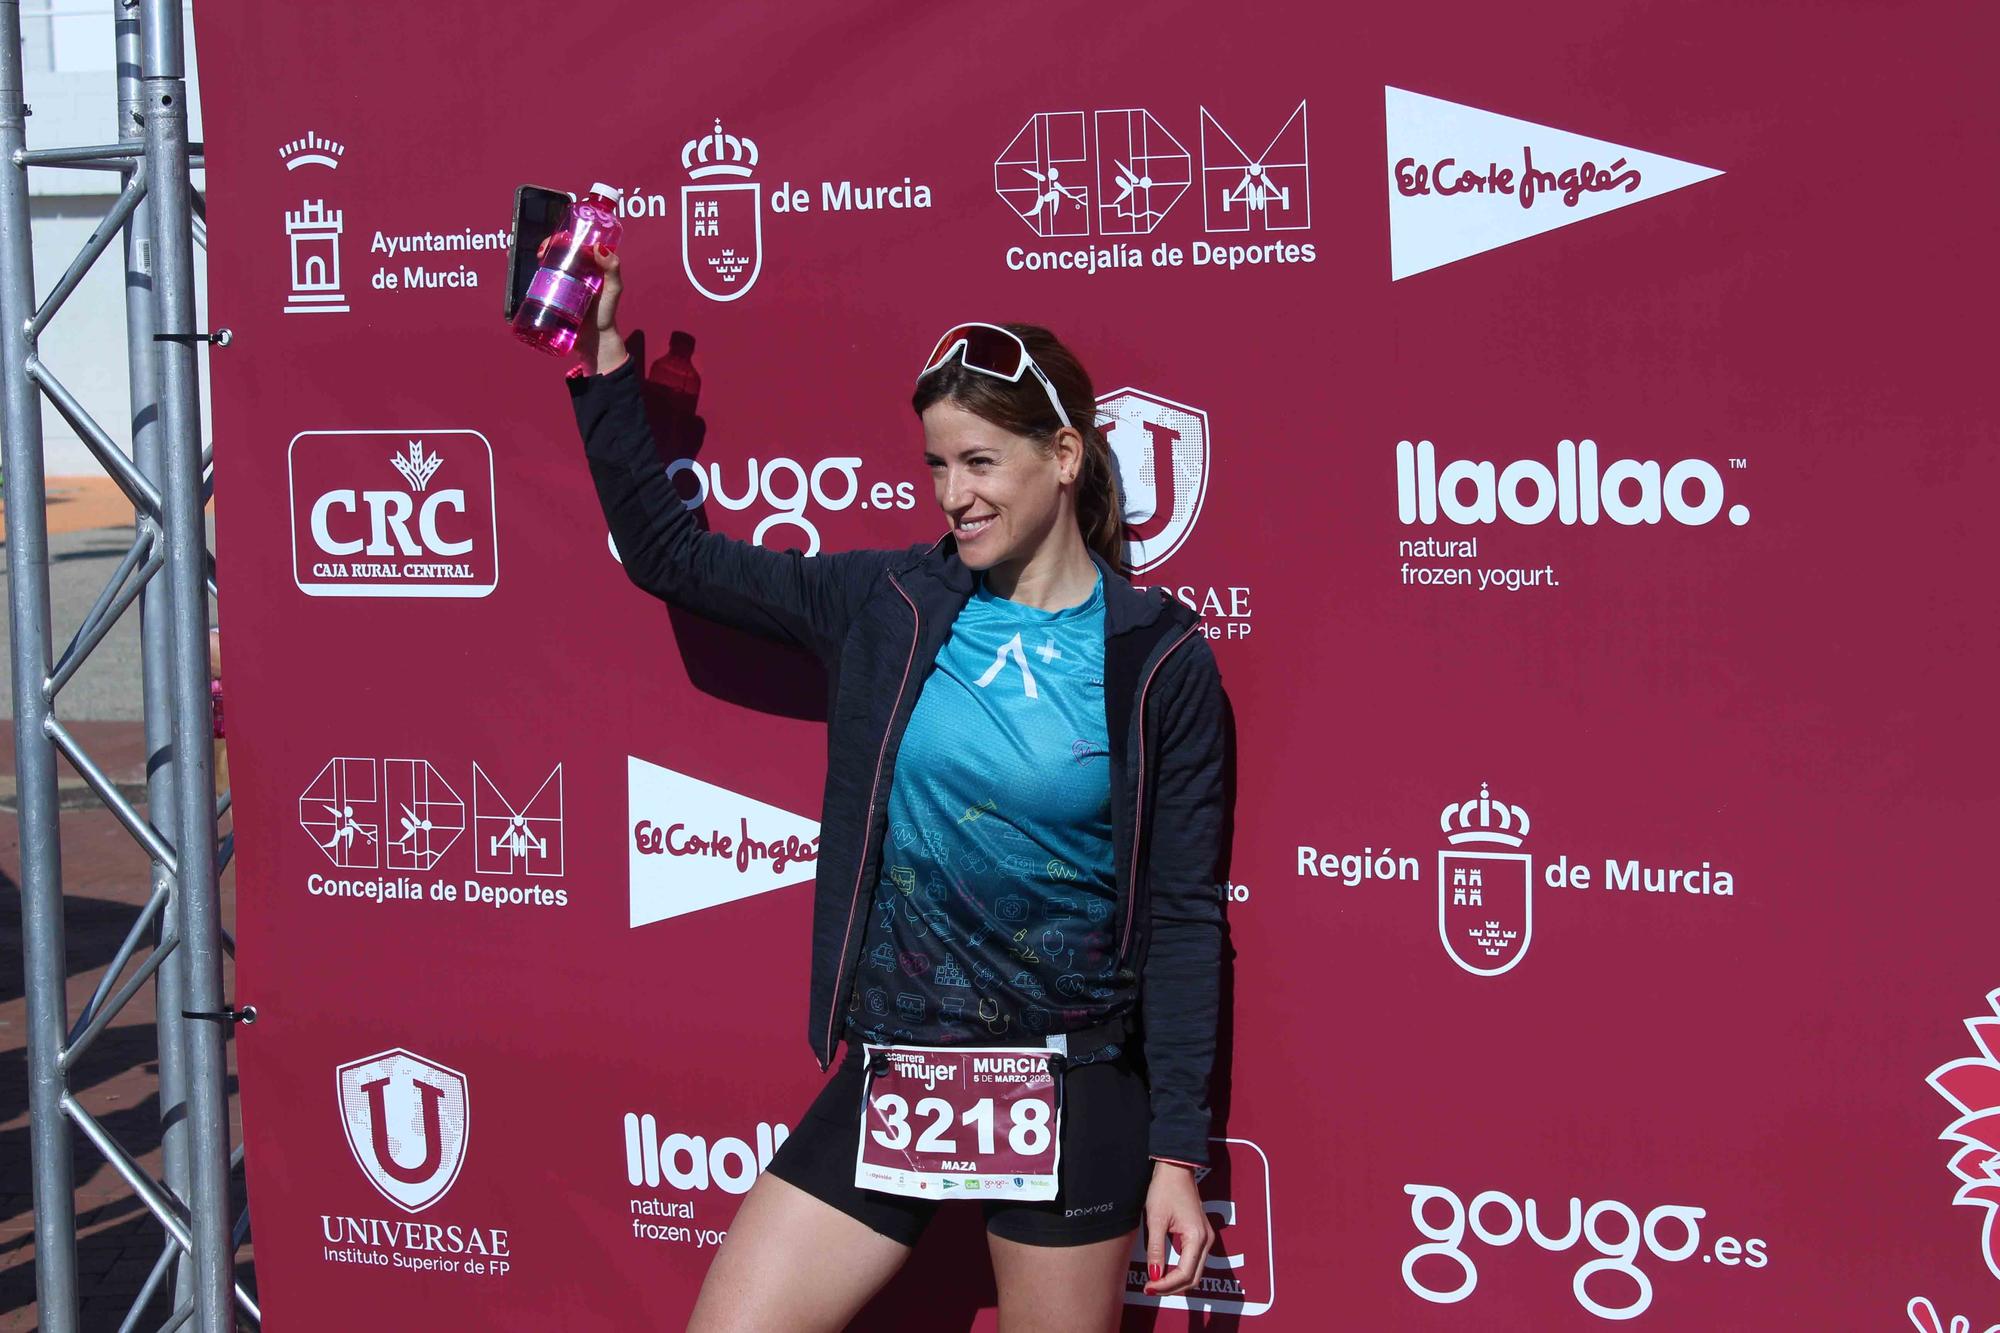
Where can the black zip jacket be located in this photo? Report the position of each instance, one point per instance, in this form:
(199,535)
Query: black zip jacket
(877,619)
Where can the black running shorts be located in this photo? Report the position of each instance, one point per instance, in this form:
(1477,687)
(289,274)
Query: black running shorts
(1104,1174)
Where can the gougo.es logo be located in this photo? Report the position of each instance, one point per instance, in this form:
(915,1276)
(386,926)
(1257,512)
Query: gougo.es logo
(1614,1231)
(789,490)
(1160,449)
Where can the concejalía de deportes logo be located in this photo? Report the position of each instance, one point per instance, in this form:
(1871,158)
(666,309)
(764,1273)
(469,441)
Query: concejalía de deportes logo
(394,831)
(1119,172)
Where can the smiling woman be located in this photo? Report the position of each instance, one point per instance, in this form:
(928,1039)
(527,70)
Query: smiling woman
(1015,890)
(995,444)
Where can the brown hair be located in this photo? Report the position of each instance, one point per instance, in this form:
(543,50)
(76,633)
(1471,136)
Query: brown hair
(1023,409)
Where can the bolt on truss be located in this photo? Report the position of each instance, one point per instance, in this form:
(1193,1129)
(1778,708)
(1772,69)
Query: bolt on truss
(168,572)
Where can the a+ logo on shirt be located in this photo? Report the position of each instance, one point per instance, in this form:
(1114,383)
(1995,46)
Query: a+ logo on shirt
(1011,648)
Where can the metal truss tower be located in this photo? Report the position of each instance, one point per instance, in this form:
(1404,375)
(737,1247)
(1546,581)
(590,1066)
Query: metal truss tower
(168,573)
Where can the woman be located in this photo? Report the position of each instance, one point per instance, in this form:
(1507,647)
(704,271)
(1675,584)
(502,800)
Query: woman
(1023,815)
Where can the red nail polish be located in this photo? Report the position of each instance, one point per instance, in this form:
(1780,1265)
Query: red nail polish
(1153,1272)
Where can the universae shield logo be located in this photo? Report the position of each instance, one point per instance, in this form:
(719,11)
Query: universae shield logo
(1486,902)
(722,221)
(405,1119)
(1160,450)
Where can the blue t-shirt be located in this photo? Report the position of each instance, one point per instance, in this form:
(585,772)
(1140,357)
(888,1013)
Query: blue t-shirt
(992,920)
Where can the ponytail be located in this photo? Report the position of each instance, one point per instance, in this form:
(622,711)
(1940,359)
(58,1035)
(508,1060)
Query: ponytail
(1100,509)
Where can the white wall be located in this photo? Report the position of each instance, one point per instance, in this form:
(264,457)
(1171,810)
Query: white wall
(68,53)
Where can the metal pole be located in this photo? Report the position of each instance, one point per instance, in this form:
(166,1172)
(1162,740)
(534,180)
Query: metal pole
(207,1121)
(155,637)
(34,755)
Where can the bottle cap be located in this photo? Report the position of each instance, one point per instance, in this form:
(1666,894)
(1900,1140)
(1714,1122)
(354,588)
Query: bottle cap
(611,192)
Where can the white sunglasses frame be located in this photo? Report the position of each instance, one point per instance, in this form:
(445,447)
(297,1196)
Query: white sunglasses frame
(958,349)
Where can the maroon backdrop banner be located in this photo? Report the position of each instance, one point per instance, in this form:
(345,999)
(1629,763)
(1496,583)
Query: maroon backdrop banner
(1568,422)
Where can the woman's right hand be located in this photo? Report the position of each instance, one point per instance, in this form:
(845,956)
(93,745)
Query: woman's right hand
(599,346)
(598,342)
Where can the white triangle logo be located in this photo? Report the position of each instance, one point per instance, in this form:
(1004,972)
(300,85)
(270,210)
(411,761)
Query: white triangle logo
(696,845)
(1435,145)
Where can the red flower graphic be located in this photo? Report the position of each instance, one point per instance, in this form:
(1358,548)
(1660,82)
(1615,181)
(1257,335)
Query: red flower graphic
(1927,1320)
(1973,1086)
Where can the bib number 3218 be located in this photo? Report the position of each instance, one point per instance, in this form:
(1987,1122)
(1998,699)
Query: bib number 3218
(979,1121)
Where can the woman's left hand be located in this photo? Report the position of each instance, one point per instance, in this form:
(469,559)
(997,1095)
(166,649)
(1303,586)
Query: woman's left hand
(1173,1208)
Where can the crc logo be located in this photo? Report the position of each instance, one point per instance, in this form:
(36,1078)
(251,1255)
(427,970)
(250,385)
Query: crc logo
(1124,171)
(1972,1086)
(1486,901)
(1238,1276)
(1160,450)
(393,513)
(695,845)
(722,220)
(405,1119)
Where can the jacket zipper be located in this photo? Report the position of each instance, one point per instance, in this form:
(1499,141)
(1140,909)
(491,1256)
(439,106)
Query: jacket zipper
(868,828)
(1139,811)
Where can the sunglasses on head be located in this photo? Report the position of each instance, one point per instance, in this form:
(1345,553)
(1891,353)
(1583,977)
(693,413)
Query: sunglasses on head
(992,350)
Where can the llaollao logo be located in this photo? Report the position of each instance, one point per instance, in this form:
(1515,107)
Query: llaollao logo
(406,1119)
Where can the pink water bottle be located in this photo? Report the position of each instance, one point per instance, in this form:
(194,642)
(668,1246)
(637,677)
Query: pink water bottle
(553,310)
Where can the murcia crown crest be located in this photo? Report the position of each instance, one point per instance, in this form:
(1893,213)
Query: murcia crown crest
(1484,819)
(718,154)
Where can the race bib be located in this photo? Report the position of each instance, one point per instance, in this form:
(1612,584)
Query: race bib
(979,1121)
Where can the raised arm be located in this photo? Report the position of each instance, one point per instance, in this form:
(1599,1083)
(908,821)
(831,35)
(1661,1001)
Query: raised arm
(781,595)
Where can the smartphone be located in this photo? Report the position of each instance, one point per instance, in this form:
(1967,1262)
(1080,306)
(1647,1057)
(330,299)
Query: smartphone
(538,214)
